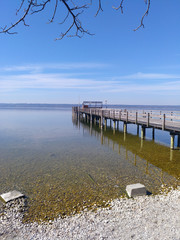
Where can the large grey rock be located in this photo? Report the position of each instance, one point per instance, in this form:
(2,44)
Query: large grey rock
(11,195)
(137,189)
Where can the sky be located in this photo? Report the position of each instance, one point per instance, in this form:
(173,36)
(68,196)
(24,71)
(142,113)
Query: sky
(116,64)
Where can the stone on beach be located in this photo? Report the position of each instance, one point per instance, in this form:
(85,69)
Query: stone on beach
(137,189)
(11,195)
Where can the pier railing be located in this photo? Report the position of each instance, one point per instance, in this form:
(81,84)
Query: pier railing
(165,120)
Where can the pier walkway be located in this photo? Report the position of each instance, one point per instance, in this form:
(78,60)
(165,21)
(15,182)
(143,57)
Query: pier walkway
(163,120)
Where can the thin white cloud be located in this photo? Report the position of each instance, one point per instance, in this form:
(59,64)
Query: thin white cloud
(51,81)
(61,81)
(51,66)
(148,88)
(151,76)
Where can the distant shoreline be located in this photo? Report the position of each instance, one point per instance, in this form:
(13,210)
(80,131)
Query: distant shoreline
(49,106)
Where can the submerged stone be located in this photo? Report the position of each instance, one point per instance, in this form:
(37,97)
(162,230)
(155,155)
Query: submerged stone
(11,195)
(137,189)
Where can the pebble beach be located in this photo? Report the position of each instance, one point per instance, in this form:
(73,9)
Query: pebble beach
(143,217)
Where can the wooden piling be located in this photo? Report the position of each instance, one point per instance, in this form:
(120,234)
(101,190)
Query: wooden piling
(99,122)
(172,141)
(136,119)
(153,133)
(143,132)
(138,129)
(105,124)
(178,141)
(148,116)
(125,127)
(114,125)
(163,122)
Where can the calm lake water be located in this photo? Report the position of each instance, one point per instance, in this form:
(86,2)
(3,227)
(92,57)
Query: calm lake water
(64,166)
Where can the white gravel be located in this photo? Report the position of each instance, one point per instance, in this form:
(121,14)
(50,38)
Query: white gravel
(149,217)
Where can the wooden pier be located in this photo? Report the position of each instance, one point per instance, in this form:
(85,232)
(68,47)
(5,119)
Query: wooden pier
(163,120)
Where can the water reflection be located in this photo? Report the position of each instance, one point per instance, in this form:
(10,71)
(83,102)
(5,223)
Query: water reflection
(153,159)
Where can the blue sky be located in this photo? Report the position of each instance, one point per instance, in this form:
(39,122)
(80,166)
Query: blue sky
(116,64)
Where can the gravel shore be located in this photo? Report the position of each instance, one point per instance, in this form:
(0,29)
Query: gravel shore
(147,217)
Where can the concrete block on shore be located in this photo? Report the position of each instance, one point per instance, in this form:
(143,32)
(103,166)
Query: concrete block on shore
(11,195)
(137,189)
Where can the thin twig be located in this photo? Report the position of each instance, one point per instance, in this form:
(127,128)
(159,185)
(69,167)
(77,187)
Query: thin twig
(99,8)
(145,14)
(20,7)
(120,6)
(55,9)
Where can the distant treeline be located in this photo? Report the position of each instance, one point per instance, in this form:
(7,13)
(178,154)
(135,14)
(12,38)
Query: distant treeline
(34,106)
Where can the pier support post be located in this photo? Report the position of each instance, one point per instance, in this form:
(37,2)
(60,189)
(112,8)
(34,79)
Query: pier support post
(101,122)
(138,129)
(178,141)
(110,123)
(143,132)
(125,130)
(172,141)
(117,125)
(125,127)
(127,116)
(153,133)
(148,118)
(94,120)
(120,115)
(136,119)
(105,124)
(90,116)
(163,121)
(125,136)
(114,125)
(101,119)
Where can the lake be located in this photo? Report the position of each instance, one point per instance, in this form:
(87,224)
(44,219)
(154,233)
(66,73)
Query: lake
(63,166)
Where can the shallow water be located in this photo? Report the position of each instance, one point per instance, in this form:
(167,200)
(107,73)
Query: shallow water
(64,166)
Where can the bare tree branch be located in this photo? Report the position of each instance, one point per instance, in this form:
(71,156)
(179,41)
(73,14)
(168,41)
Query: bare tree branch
(74,12)
(22,19)
(41,6)
(147,2)
(80,31)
